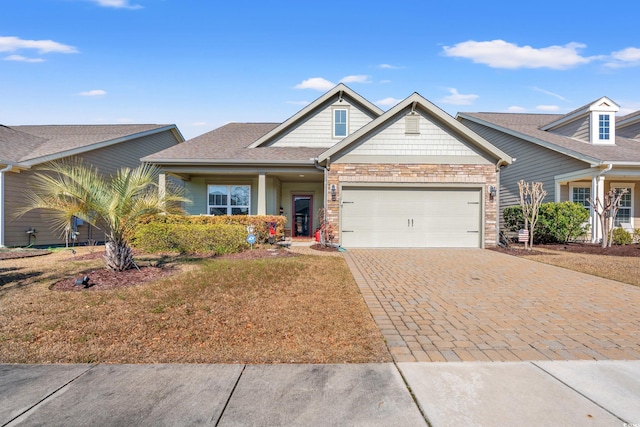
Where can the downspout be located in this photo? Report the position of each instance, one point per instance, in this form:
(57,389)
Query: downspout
(324,169)
(595,224)
(2,171)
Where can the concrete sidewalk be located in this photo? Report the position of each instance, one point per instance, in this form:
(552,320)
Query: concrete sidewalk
(603,393)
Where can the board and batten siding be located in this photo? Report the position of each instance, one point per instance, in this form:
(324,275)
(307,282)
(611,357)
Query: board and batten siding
(533,163)
(317,131)
(106,159)
(433,144)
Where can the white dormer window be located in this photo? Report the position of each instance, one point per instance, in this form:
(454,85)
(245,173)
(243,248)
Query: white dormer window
(340,122)
(603,127)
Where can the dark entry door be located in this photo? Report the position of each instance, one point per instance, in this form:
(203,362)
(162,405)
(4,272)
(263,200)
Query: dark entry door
(302,216)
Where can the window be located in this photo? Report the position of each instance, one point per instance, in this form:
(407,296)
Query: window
(229,199)
(626,206)
(339,123)
(603,127)
(581,195)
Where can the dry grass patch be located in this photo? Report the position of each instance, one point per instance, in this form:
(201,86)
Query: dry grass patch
(278,310)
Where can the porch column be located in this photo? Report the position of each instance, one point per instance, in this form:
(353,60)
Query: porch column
(262,193)
(597,190)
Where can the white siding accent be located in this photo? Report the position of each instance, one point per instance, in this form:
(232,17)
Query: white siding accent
(317,131)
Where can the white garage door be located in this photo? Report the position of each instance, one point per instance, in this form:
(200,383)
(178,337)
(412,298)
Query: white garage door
(410,217)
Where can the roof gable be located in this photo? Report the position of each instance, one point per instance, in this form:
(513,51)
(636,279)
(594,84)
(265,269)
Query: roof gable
(603,104)
(338,95)
(429,110)
(51,142)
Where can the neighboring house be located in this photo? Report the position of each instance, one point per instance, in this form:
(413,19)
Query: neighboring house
(107,147)
(409,177)
(578,156)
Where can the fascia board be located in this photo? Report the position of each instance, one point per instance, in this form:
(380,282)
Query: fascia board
(537,141)
(321,100)
(234,162)
(97,145)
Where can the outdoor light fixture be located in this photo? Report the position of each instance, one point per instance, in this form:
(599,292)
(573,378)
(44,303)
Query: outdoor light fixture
(492,192)
(333,192)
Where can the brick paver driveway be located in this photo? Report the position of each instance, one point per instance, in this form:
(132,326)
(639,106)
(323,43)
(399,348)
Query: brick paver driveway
(473,304)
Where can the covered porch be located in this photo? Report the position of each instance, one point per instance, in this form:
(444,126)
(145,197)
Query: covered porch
(296,192)
(590,184)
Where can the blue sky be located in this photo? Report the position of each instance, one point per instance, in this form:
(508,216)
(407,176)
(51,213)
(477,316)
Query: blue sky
(201,64)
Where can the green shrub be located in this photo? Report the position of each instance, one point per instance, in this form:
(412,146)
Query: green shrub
(557,222)
(621,237)
(260,223)
(190,238)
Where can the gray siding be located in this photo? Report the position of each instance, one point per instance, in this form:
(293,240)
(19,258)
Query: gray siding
(433,145)
(632,131)
(576,129)
(533,163)
(107,160)
(317,131)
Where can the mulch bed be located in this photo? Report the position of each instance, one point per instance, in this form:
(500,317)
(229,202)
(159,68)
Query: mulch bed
(582,248)
(319,247)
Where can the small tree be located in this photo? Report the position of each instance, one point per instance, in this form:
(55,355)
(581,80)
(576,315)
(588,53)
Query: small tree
(607,211)
(326,230)
(531,196)
(69,188)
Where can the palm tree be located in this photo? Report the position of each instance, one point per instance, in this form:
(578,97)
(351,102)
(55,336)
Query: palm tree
(113,204)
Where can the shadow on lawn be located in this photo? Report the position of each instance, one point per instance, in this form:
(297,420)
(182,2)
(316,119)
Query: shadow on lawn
(12,278)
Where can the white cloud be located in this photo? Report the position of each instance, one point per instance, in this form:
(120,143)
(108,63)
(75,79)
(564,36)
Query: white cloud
(546,92)
(458,98)
(356,79)
(501,54)
(94,92)
(516,109)
(387,102)
(547,108)
(315,83)
(119,4)
(21,58)
(389,67)
(628,57)
(13,44)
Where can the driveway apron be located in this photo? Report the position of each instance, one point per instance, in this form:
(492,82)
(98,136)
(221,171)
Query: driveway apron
(481,305)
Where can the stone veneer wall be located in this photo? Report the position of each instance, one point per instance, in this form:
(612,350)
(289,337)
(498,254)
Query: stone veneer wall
(355,173)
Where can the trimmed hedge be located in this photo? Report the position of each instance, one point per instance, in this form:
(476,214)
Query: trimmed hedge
(260,223)
(202,233)
(191,238)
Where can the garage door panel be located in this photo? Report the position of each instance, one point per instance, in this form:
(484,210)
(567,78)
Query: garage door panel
(410,217)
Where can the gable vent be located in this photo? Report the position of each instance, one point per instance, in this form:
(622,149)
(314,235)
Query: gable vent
(412,124)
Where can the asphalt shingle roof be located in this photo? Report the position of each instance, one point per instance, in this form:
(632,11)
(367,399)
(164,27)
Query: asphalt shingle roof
(624,150)
(230,143)
(24,143)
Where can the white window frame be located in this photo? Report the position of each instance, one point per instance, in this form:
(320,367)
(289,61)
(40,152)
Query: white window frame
(580,185)
(604,129)
(334,123)
(228,206)
(631,187)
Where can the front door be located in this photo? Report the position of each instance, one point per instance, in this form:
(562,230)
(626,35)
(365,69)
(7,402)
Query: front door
(302,216)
